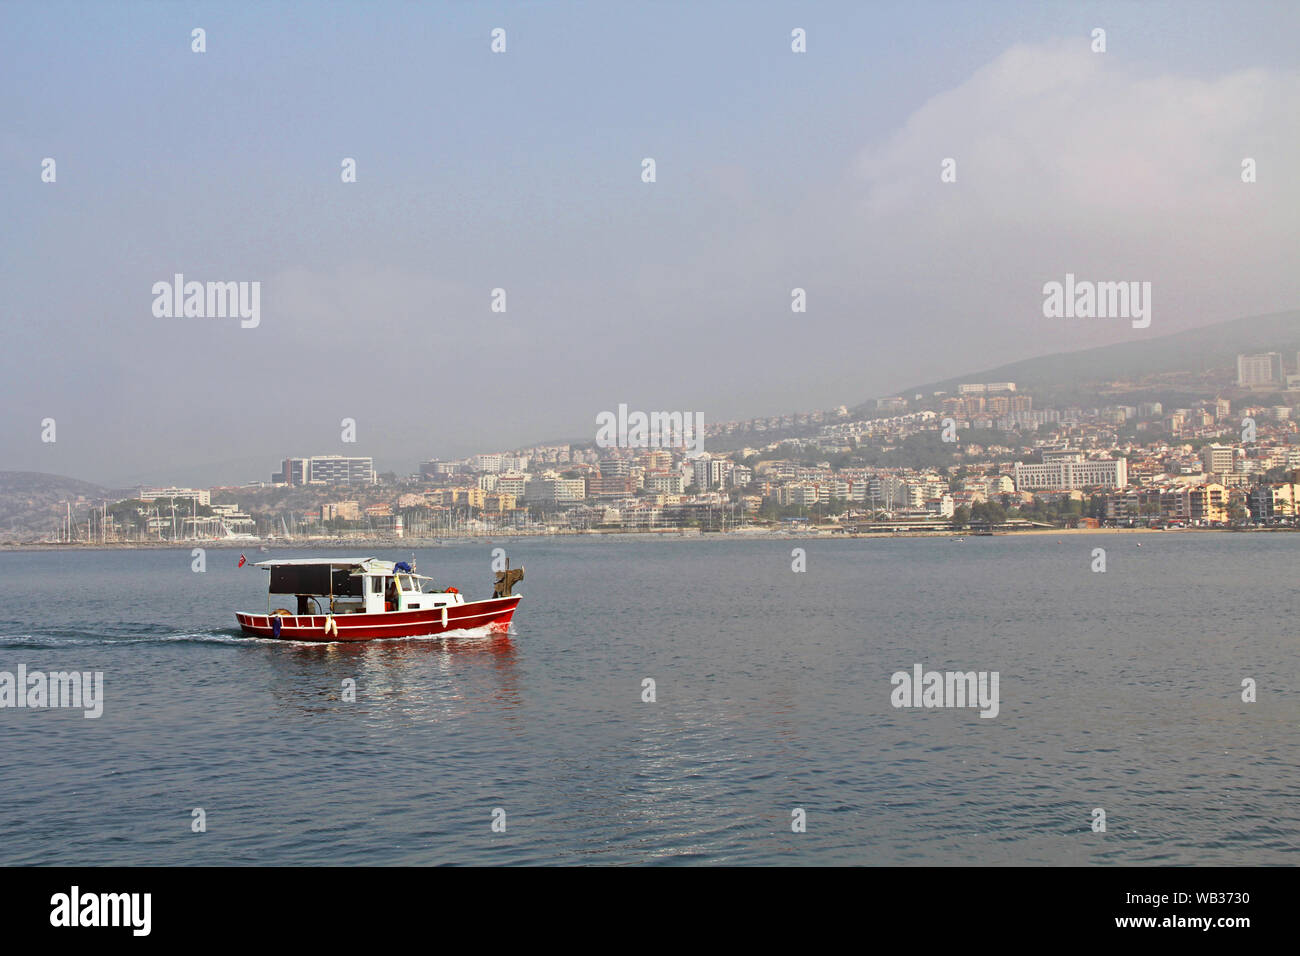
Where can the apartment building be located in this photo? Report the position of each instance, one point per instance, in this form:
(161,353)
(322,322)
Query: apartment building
(548,490)
(1272,500)
(1218,459)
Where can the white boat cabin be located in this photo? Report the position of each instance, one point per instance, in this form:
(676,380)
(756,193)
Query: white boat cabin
(354,586)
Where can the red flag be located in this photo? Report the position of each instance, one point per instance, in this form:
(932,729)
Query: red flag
(242,560)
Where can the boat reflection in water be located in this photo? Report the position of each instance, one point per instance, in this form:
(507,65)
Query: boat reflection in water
(398,681)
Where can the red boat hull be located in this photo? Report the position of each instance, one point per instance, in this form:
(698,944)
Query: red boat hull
(494,613)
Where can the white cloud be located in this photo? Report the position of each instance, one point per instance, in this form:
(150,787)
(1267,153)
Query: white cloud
(1061,133)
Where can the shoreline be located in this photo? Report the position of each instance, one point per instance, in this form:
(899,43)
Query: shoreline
(452,540)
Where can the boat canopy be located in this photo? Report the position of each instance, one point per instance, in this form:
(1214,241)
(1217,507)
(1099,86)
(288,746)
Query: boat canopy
(337,576)
(332,562)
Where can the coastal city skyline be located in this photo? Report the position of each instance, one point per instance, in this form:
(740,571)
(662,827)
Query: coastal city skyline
(993,454)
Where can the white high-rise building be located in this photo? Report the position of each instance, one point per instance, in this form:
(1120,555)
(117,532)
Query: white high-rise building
(1262,369)
(709,472)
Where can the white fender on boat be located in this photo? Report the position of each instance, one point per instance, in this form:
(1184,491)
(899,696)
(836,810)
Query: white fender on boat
(444,615)
(331,626)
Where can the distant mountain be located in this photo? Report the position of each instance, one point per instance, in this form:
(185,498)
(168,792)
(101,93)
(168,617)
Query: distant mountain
(32,504)
(1209,354)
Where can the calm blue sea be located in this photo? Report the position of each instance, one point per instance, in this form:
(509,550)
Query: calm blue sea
(1118,690)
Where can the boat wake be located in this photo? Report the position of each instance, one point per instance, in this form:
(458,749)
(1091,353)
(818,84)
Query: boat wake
(56,641)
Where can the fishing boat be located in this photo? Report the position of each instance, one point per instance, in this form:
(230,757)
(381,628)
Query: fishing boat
(361,599)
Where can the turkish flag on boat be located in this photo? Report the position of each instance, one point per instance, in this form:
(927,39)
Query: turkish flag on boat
(242,561)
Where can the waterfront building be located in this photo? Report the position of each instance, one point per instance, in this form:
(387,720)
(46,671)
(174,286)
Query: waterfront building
(803,493)
(943,506)
(467,497)
(832,489)
(1193,503)
(199,496)
(1272,500)
(340,511)
(229,517)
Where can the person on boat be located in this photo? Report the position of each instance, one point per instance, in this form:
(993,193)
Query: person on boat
(390,595)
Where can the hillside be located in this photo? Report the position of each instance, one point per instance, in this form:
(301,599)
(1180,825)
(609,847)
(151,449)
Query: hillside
(1194,360)
(32,504)
(1170,368)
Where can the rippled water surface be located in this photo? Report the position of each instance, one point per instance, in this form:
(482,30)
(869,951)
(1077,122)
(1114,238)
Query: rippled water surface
(1119,690)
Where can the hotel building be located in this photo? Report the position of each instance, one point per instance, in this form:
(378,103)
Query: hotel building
(1072,475)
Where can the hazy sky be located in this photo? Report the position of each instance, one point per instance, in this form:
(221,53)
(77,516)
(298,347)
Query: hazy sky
(522,171)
